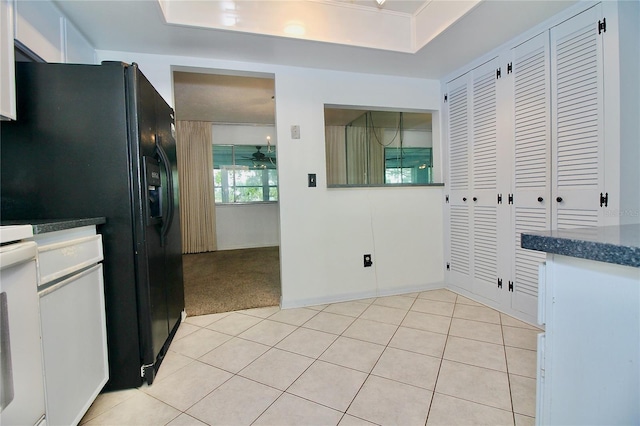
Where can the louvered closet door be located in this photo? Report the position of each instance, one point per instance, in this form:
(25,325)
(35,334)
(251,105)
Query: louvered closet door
(458,182)
(577,111)
(532,164)
(484,180)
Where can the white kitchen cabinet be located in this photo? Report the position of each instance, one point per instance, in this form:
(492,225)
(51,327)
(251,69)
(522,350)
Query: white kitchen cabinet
(589,355)
(525,152)
(531,179)
(72,315)
(73,344)
(457,211)
(577,79)
(7,68)
(476,174)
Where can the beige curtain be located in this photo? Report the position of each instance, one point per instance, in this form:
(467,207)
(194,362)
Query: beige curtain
(376,157)
(195,170)
(357,145)
(336,155)
(365,156)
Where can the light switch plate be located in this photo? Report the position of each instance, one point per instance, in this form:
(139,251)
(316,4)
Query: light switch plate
(295,132)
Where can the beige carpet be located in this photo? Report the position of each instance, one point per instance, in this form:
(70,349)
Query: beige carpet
(230,280)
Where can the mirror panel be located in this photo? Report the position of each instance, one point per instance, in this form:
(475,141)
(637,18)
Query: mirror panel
(377,148)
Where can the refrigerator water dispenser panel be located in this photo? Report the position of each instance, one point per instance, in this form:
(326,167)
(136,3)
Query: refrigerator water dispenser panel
(154,189)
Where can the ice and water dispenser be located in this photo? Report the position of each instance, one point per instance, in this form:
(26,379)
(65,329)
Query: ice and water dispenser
(154,190)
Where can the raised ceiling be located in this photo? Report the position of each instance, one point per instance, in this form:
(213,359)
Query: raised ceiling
(412,38)
(141,26)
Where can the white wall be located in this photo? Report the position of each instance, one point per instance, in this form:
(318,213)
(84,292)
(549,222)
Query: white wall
(629,28)
(45,31)
(247,225)
(324,233)
(243,134)
(241,226)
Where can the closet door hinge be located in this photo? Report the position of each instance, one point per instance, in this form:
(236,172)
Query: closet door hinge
(446,198)
(445,98)
(498,73)
(499,282)
(510,198)
(604,199)
(499,198)
(602,26)
(509,67)
(448,266)
(511,286)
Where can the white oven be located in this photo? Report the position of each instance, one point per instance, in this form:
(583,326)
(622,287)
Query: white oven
(21,373)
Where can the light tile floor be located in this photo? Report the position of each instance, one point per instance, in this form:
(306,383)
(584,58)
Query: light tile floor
(434,358)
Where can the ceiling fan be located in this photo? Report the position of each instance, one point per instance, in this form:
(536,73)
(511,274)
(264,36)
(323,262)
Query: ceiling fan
(260,158)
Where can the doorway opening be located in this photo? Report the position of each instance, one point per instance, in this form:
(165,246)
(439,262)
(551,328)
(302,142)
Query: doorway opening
(240,269)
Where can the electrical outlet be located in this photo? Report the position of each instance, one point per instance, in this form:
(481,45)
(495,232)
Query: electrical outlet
(367,260)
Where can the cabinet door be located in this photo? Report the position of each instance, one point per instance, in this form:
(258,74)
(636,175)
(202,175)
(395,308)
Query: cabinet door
(74,345)
(459,184)
(474,173)
(532,164)
(484,179)
(577,127)
(7,67)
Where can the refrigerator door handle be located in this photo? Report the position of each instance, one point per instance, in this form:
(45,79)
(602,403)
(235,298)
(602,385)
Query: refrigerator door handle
(164,159)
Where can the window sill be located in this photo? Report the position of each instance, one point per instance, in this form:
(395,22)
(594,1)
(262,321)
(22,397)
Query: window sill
(247,203)
(384,185)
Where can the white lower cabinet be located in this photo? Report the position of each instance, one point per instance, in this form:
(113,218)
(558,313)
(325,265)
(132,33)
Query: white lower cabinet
(73,324)
(589,355)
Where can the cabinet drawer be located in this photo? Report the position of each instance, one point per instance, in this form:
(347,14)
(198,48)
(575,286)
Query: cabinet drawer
(57,260)
(74,345)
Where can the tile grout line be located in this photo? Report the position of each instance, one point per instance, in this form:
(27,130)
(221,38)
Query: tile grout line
(506,361)
(314,361)
(337,336)
(435,385)
(378,360)
(236,374)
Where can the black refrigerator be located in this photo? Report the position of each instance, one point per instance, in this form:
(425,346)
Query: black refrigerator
(93,141)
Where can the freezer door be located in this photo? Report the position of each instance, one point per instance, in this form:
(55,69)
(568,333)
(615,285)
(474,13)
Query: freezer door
(160,271)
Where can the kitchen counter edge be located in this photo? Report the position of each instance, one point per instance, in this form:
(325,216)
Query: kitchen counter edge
(42,226)
(610,244)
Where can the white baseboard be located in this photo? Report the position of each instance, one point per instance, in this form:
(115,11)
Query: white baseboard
(531,320)
(250,246)
(348,297)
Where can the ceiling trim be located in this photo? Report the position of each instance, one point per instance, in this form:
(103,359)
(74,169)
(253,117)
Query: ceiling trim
(327,21)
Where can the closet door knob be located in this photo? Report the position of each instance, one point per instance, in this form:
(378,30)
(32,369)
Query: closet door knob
(464,199)
(540,199)
(475,198)
(559,199)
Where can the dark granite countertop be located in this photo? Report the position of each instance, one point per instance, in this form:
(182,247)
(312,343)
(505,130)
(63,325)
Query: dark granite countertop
(41,226)
(610,244)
